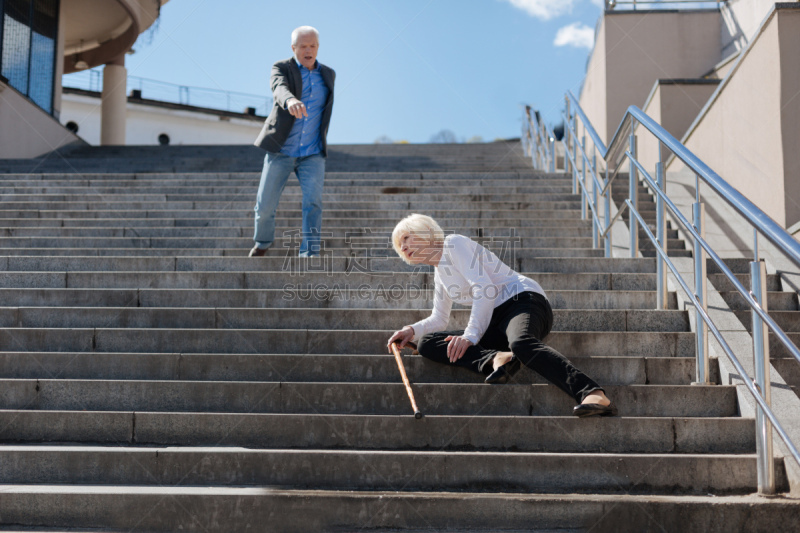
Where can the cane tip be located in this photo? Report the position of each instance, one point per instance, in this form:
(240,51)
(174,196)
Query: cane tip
(417,415)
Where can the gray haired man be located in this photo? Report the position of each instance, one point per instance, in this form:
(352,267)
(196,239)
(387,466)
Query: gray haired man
(294,136)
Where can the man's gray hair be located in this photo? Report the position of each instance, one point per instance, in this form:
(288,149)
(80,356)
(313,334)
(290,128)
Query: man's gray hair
(302,30)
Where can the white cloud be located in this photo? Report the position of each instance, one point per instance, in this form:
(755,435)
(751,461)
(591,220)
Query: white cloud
(576,34)
(544,9)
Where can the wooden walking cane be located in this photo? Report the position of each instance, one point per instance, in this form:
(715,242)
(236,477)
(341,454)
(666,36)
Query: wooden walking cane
(399,359)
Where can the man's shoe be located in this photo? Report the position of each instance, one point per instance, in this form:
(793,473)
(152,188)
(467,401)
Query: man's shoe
(504,373)
(594,409)
(257,252)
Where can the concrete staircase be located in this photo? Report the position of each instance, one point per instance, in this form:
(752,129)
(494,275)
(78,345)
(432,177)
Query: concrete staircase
(783,307)
(154,378)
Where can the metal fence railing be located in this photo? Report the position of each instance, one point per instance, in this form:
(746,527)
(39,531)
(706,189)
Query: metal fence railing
(92,80)
(663,4)
(621,152)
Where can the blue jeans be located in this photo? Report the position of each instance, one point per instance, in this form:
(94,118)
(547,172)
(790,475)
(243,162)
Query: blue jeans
(310,171)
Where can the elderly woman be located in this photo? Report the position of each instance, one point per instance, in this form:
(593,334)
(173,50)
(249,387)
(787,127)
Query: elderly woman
(509,312)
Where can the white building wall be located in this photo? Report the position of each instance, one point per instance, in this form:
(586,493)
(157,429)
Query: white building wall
(145,123)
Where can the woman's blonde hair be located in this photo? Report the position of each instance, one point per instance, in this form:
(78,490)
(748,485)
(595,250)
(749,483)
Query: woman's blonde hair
(416,224)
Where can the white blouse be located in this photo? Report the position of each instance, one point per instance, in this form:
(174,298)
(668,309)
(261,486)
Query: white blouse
(471,275)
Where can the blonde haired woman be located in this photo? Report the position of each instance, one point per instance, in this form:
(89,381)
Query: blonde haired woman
(509,320)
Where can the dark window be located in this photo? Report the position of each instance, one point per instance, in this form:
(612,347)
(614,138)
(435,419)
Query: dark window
(72,126)
(17,43)
(163,139)
(43,51)
(28,33)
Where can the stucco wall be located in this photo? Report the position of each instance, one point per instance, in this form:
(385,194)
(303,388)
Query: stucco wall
(593,93)
(642,47)
(789,29)
(674,105)
(145,123)
(739,136)
(26,130)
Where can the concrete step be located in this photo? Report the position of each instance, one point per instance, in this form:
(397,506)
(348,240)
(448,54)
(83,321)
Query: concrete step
(330,285)
(789,369)
(789,321)
(336,227)
(332,239)
(368,182)
(340,189)
(292,199)
(370,432)
(469,227)
(723,284)
(738,265)
(319,297)
(332,208)
(346,216)
(218,165)
(327,319)
(317,368)
(379,265)
(777,349)
(169,509)
(162,509)
(776,301)
(316,341)
(343,217)
(355,249)
(222,218)
(384,178)
(383,470)
(219,237)
(650,252)
(458,399)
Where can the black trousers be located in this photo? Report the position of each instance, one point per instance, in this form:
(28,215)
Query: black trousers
(519,325)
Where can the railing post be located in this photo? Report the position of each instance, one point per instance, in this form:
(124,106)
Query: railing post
(584,195)
(607,209)
(633,195)
(766,464)
(700,290)
(575,155)
(525,137)
(545,145)
(566,138)
(661,230)
(552,154)
(595,222)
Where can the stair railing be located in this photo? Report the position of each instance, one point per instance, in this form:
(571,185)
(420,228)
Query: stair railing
(623,149)
(538,142)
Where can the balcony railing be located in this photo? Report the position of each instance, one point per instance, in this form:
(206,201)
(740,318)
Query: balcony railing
(236,102)
(662,4)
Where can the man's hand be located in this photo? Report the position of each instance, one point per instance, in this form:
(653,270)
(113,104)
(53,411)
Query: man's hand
(296,108)
(401,337)
(456,347)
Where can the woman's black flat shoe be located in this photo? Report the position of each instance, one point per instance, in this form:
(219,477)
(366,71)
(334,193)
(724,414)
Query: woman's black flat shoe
(594,409)
(504,373)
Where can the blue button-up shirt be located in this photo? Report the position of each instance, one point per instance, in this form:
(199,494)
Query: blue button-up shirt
(305,138)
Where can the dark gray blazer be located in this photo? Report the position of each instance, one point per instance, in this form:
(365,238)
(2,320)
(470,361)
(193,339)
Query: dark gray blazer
(286,83)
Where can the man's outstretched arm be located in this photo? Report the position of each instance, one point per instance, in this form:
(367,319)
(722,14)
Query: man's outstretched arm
(283,96)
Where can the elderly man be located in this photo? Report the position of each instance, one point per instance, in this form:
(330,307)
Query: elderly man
(294,136)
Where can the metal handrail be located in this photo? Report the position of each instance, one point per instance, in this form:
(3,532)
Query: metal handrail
(538,141)
(623,148)
(757,218)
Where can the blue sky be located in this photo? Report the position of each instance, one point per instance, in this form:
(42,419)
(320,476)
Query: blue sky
(406,69)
